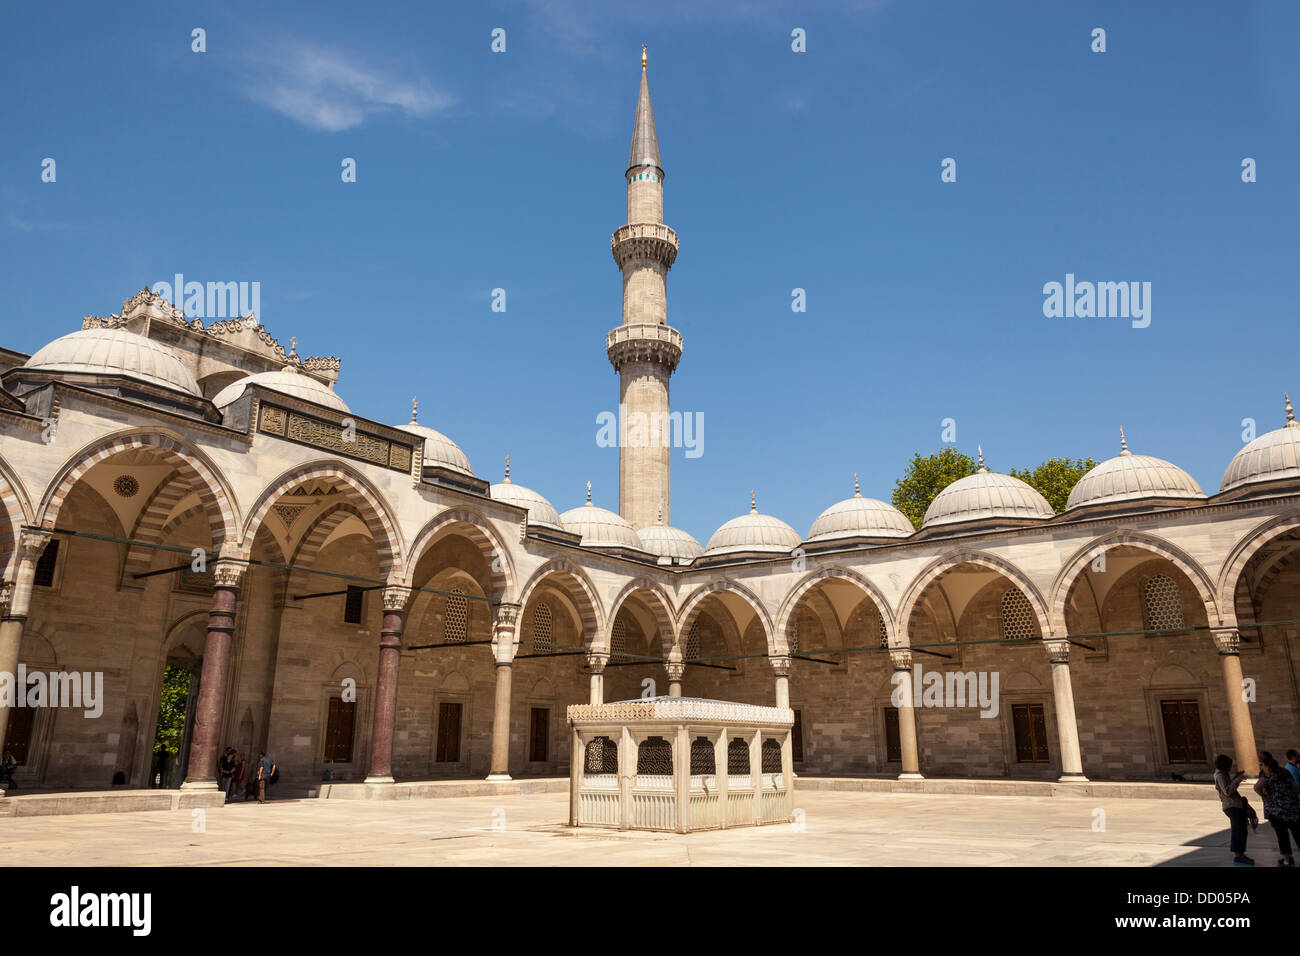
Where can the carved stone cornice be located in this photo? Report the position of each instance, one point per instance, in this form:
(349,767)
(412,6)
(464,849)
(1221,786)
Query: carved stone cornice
(644,342)
(901,658)
(645,241)
(693,709)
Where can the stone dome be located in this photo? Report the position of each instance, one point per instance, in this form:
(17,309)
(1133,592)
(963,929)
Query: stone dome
(754,532)
(540,511)
(860,517)
(601,528)
(115,352)
(439,450)
(983,495)
(287,381)
(1130,477)
(1269,457)
(666,541)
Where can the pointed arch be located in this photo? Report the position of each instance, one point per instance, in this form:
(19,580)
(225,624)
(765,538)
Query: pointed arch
(1234,564)
(661,607)
(585,600)
(17,507)
(215,494)
(829,573)
(472,524)
(149,526)
(1143,541)
(946,562)
(374,510)
(686,615)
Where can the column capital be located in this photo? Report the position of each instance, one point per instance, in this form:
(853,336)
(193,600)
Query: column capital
(1058,650)
(676,670)
(32,541)
(6,597)
(395,597)
(506,615)
(780,665)
(1227,641)
(597,662)
(901,658)
(227,573)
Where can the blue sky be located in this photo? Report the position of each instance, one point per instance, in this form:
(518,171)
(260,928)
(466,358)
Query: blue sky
(817,170)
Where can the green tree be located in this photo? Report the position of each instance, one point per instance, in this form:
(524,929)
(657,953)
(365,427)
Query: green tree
(1055,478)
(925,477)
(171,712)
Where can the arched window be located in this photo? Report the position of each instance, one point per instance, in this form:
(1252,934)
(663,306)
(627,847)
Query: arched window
(702,761)
(693,641)
(602,756)
(1162,603)
(738,757)
(618,641)
(455,626)
(1018,622)
(542,639)
(794,636)
(771,756)
(884,634)
(654,756)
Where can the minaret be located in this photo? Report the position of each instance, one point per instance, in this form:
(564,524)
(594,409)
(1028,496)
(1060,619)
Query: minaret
(644,350)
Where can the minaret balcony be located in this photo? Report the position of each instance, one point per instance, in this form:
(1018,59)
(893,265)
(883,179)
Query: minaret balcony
(644,342)
(651,241)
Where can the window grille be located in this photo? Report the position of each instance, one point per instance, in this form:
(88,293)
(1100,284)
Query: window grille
(693,641)
(46,564)
(738,757)
(654,756)
(771,756)
(884,634)
(702,757)
(352,605)
(1162,603)
(542,640)
(618,641)
(602,756)
(455,626)
(1018,622)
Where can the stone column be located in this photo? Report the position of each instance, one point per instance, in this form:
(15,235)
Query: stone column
(577,761)
(902,661)
(210,710)
(30,545)
(676,671)
(1067,725)
(781,668)
(505,640)
(1228,643)
(597,664)
(720,768)
(682,778)
(385,717)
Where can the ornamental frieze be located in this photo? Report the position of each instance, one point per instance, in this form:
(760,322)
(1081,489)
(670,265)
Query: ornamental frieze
(334,437)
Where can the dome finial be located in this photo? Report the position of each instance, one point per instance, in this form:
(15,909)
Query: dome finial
(1123,442)
(981,454)
(1290,414)
(643,56)
(589,494)
(753,502)
(659,515)
(415,409)
(506,479)
(857,491)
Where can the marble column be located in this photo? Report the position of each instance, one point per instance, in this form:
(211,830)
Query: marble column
(385,717)
(1228,643)
(597,664)
(505,641)
(901,658)
(676,671)
(30,544)
(781,668)
(210,710)
(1067,725)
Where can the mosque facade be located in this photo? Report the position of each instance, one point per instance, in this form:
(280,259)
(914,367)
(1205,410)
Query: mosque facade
(354,598)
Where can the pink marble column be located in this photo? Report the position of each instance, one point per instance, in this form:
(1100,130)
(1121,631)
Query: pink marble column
(504,643)
(385,718)
(209,711)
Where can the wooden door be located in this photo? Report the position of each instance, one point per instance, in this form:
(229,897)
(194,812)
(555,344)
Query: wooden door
(1030,723)
(538,731)
(448,733)
(1183,738)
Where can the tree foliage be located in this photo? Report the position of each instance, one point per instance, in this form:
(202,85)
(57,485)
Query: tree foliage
(925,477)
(171,711)
(1055,478)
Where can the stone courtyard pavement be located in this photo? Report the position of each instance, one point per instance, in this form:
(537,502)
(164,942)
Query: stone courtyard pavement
(839,828)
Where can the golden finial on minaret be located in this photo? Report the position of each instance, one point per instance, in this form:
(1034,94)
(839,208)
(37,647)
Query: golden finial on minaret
(506,479)
(643,56)
(415,409)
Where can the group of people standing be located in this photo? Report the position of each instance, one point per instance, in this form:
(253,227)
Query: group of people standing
(233,775)
(1279,788)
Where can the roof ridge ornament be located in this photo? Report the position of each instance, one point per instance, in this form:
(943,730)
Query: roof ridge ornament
(415,409)
(1123,442)
(506,479)
(1290,413)
(981,454)
(753,502)
(857,490)
(589,504)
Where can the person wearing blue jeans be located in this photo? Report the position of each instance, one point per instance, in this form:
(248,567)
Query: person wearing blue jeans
(1234,807)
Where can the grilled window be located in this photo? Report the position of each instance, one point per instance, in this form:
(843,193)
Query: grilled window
(1162,603)
(738,756)
(771,756)
(542,640)
(46,564)
(455,626)
(618,641)
(602,756)
(352,605)
(654,756)
(702,758)
(1017,617)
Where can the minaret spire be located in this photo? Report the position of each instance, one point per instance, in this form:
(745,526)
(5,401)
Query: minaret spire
(645,140)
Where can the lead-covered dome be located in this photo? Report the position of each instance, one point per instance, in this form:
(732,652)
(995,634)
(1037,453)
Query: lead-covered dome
(115,352)
(665,541)
(1130,477)
(860,517)
(287,381)
(1270,457)
(601,528)
(439,450)
(540,511)
(984,495)
(754,532)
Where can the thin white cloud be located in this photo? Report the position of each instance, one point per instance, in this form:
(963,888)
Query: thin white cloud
(330,91)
